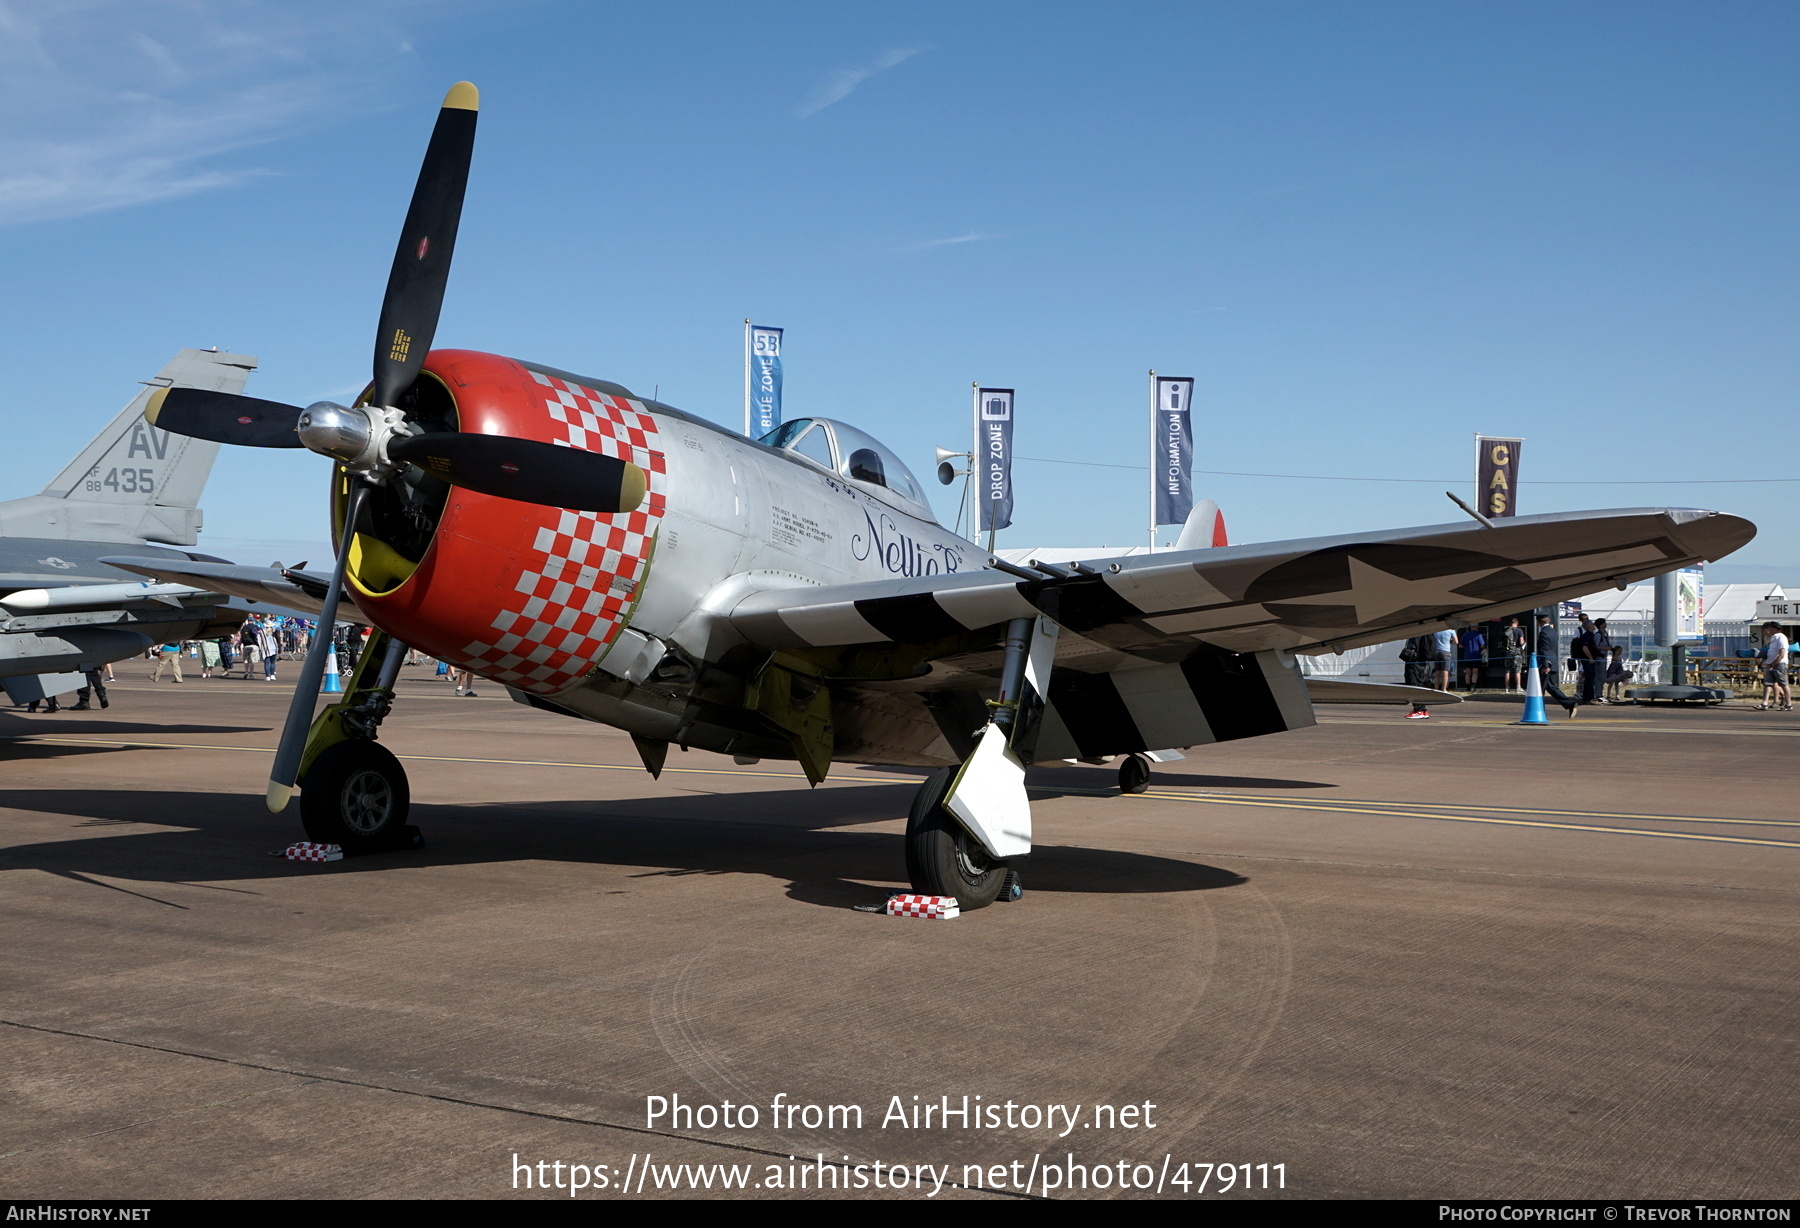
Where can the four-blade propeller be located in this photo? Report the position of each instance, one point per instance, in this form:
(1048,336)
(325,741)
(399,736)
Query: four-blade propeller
(373,443)
(492,464)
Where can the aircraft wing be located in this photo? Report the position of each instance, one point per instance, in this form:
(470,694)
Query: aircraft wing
(282,586)
(1315,595)
(1189,647)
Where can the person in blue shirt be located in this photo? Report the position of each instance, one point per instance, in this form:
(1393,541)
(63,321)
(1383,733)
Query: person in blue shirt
(1443,647)
(167,655)
(1474,656)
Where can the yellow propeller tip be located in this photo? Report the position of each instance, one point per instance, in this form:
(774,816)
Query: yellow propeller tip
(276,799)
(633,485)
(154,405)
(464,97)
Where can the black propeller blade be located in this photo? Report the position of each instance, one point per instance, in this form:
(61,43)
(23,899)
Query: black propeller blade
(415,289)
(509,468)
(292,747)
(224,417)
(526,470)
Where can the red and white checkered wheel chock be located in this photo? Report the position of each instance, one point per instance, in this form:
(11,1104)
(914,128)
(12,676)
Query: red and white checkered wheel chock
(307,850)
(932,907)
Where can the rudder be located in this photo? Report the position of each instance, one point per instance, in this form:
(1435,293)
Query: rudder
(133,482)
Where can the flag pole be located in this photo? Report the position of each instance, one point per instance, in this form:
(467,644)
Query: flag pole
(1480,494)
(1152,397)
(968,494)
(975,501)
(746,375)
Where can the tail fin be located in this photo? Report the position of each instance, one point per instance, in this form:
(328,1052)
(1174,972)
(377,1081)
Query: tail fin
(134,483)
(1205,527)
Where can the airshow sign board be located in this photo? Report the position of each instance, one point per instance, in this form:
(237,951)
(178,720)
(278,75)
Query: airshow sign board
(1497,475)
(993,456)
(1690,603)
(1172,450)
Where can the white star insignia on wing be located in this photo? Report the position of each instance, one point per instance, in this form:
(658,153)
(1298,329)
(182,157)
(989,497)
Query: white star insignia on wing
(1377,594)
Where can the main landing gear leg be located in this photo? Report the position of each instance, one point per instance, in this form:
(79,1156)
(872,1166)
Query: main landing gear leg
(968,822)
(942,856)
(353,792)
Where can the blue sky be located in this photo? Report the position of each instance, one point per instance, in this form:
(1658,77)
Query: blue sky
(1369,231)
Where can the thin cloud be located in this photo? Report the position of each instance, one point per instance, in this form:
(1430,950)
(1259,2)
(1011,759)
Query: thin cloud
(971,237)
(837,86)
(107,104)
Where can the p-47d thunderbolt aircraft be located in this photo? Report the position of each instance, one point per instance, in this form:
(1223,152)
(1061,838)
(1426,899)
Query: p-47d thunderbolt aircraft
(612,558)
(62,610)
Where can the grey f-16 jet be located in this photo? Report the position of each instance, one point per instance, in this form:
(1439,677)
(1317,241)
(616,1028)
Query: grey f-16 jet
(134,488)
(611,558)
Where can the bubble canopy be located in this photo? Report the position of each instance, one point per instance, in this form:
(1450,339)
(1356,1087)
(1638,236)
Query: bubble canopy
(854,454)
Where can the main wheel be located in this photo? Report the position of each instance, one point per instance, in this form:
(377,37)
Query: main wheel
(1134,774)
(942,858)
(355,795)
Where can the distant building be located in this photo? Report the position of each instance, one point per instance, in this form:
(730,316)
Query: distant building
(1728,610)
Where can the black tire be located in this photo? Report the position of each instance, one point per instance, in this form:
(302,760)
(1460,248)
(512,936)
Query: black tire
(942,858)
(1134,774)
(355,795)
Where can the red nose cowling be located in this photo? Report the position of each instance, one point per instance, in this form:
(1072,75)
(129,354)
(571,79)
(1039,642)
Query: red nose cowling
(524,595)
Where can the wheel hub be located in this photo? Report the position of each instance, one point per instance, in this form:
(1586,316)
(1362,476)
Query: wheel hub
(368,802)
(971,858)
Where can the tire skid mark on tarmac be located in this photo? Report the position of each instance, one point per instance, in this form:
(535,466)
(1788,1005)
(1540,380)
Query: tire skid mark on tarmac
(1237,1012)
(699,997)
(674,1020)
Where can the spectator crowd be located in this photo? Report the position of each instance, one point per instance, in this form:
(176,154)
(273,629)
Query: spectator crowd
(259,645)
(1462,660)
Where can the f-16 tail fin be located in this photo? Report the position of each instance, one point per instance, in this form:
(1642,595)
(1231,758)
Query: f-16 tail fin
(133,482)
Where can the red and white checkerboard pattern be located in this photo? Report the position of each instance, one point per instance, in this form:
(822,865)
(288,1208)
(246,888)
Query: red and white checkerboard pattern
(933,907)
(307,850)
(586,565)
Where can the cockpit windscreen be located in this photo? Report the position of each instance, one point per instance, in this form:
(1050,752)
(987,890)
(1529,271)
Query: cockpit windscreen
(858,455)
